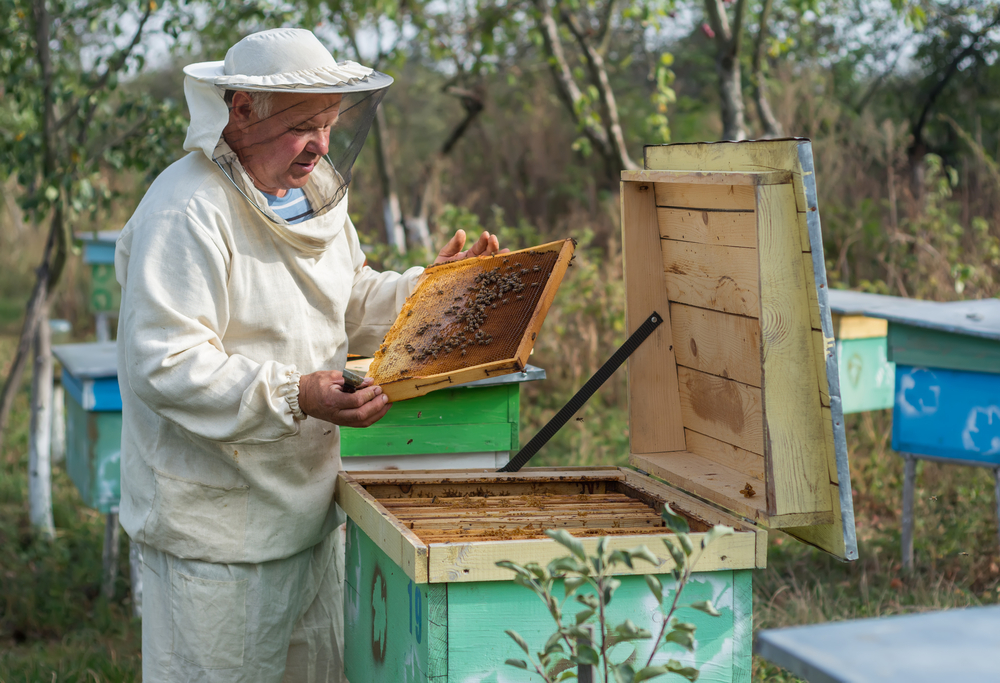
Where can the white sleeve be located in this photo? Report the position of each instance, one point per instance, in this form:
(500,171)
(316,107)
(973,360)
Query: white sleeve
(376,298)
(175,310)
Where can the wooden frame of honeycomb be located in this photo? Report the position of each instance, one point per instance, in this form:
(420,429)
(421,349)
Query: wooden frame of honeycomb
(459,310)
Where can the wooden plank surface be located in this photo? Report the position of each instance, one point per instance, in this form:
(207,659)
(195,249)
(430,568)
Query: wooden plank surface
(654,405)
(730,228)
(708,479)
(691,507)
(795,445)
(706,197)
(722,409)
(545,302)
(814,314)
(820,349)
(463,562)
(399,543)
(717,343)
(858,327)
(743,462)
(708,178)
(712,276)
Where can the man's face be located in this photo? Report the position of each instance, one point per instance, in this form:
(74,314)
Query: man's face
(280,150)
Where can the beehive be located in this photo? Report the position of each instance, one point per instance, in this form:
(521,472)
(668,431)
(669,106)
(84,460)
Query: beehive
(470,319)
(733,398)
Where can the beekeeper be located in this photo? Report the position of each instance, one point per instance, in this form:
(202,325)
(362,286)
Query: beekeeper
(243,285)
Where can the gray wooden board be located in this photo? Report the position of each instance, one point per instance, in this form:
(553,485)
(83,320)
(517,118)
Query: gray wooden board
(954,645)
(88,361)
(980,318)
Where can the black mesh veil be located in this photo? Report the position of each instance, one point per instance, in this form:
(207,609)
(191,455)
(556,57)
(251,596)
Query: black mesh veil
(281,147)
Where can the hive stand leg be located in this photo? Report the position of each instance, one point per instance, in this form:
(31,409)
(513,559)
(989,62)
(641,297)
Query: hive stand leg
(135,577)
(909,477)
(996,490)
(110,556)
(102,327)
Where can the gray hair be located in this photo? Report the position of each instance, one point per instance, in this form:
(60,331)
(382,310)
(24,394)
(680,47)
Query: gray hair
(260,101)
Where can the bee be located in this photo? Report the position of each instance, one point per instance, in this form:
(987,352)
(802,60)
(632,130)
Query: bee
(519,297)
(534,284)
(463,352)
(748,491)
(409,313)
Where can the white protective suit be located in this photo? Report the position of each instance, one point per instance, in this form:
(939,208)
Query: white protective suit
(221,310)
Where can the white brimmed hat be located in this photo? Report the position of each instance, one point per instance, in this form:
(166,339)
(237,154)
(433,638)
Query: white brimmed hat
(286,59)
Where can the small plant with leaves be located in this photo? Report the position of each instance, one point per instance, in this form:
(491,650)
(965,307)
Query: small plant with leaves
(586,639)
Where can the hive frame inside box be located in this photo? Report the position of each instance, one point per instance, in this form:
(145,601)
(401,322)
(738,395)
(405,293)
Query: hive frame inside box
(456,562)
(411,387)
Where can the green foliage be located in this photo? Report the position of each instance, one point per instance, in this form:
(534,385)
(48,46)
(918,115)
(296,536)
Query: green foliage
(589,581)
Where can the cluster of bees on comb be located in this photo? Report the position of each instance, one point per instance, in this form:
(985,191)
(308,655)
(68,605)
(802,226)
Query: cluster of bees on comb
(489,291)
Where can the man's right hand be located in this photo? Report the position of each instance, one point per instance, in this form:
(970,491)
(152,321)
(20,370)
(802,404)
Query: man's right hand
(322,395)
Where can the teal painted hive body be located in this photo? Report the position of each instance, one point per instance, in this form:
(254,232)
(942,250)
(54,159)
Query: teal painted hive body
(401,631)
(425,601)
(866,374)
(93,422)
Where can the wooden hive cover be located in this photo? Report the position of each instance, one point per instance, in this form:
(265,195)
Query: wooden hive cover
(736,397)
(469,320)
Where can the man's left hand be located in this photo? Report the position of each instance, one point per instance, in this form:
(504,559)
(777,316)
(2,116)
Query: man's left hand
(486,245)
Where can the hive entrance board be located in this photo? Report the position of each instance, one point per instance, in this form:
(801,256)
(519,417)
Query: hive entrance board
(736,396)
(470,319)
(449,526)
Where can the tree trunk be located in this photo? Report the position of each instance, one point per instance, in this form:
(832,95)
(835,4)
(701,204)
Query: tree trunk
(392,215)
(47,276)
(772,127)
(39,446)
(727,41)
(731,95)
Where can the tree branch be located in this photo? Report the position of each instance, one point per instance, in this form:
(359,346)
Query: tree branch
(566,86)
(950,70)
(114,65)
(599,73)
(772,127)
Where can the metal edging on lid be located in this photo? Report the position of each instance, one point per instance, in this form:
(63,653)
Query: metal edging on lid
(832,366)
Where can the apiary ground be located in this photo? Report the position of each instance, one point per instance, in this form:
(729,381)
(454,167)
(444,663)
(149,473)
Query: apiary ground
(440,519)
(465,316)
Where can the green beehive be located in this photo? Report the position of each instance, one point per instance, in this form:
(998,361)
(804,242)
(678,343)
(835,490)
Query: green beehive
(734,398)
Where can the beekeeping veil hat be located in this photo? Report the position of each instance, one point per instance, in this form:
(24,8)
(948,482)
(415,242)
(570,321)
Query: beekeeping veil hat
(284,60)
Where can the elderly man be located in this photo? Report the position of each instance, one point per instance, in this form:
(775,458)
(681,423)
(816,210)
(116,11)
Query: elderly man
(243,285)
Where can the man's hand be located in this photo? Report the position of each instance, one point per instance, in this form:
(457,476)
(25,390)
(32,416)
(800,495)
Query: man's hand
(486,245)
(322,395)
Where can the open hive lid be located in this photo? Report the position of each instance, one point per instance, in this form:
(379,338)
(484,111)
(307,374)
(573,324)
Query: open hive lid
(469,320)
(736,396)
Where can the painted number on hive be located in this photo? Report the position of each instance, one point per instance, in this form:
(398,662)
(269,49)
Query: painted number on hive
(416,610)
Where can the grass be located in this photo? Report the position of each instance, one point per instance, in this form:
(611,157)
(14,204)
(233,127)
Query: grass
(55,627)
